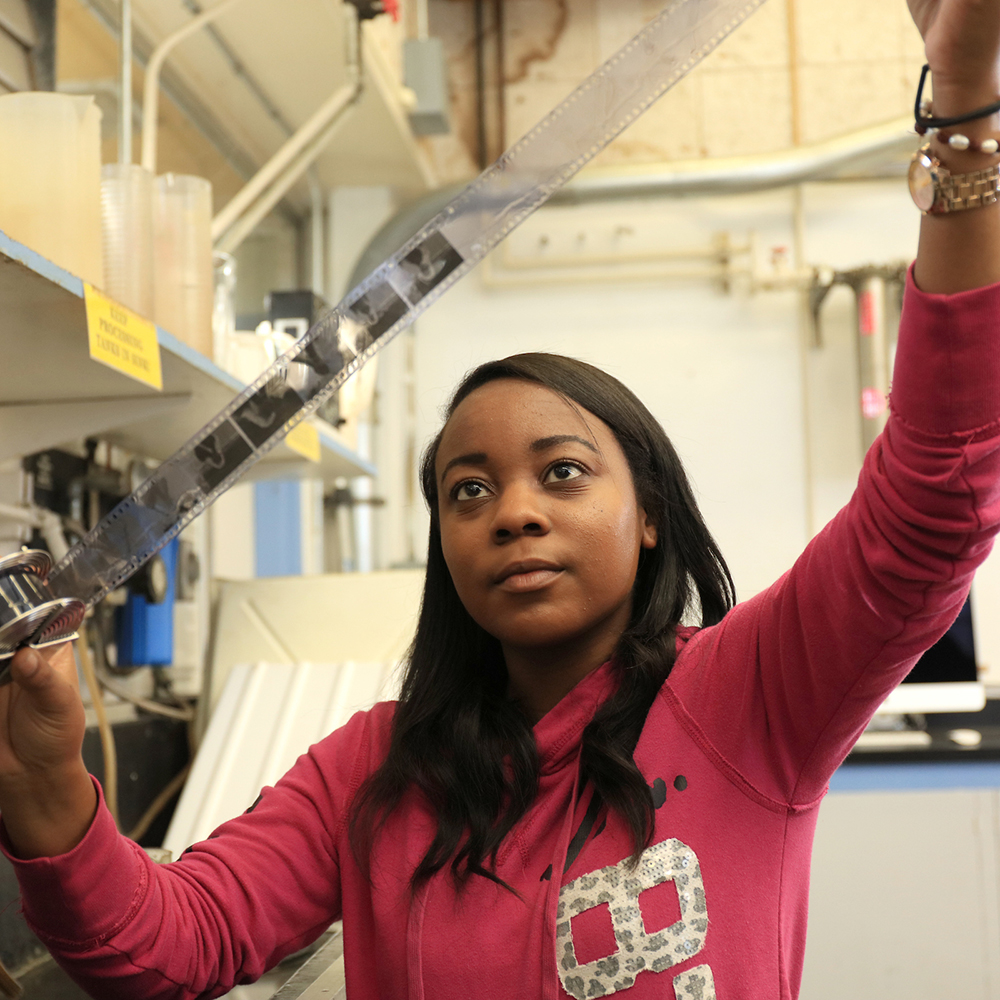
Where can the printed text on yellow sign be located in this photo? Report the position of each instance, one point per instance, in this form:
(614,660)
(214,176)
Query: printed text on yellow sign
(122,339)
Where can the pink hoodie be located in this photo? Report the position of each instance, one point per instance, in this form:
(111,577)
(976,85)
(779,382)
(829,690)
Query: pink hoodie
(737,750)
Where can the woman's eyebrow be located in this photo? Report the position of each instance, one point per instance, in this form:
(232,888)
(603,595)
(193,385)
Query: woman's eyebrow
(479,457)
(473,458)
(550,442)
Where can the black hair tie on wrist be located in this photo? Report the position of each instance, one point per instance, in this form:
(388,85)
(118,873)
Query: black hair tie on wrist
(923,123)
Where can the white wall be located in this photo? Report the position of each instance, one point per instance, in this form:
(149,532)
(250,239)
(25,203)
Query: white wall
(905,896)
(748,403)
(231,519)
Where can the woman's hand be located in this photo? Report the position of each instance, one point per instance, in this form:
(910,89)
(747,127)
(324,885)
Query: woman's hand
(960,251)
(962,41)
(47,799)
(42,719)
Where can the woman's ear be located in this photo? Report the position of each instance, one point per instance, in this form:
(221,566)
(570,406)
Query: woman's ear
(649,532)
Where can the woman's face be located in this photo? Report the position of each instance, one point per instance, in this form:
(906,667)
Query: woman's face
(540,525)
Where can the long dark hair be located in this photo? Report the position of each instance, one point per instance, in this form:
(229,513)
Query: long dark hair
(457,738)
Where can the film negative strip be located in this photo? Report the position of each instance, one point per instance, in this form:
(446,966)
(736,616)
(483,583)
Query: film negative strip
(395,293)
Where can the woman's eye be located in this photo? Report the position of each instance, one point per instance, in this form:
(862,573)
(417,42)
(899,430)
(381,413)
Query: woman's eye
(562,472)
(469,491)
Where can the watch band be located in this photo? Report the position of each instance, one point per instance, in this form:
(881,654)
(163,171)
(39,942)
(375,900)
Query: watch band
(937,191)
(972,190)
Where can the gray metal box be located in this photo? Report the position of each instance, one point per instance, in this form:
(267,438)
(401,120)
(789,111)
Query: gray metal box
(425,74)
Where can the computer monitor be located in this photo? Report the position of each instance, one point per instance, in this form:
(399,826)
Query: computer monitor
(945,678)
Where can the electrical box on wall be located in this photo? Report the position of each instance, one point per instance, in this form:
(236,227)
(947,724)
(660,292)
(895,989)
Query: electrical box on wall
(424,73)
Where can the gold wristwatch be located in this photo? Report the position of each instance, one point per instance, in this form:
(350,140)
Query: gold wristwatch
(935,190)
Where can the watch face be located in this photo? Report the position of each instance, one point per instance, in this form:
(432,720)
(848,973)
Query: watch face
(922,186)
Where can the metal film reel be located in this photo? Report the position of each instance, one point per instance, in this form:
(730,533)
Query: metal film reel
(30,614)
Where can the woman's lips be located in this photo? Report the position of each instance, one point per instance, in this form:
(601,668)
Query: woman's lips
(528,580)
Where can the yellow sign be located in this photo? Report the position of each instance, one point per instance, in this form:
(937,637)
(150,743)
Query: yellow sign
(304,438)
(119,338)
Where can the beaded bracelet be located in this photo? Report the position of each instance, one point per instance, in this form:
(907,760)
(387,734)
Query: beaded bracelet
(961,142)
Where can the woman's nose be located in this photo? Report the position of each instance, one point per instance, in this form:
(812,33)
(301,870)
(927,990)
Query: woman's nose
(518,513)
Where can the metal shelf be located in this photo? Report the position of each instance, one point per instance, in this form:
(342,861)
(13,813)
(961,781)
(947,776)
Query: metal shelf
(51,392)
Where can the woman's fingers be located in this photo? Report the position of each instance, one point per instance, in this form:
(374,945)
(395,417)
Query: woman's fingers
(48,701)
(42,719)
(25,664)
(43,675)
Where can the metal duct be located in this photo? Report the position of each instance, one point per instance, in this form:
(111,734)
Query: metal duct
(881,151)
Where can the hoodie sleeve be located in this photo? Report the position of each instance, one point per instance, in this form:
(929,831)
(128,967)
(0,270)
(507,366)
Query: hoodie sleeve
(785,684)
(261,887)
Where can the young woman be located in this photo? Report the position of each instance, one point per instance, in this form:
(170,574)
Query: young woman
(577,793)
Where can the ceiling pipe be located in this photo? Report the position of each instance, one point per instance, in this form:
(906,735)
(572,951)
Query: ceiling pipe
(290,161)
(742,174)
(174,88)
(151,87)
(732,175)
(266,188)
(264,205)
(125,86)
(317,235)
